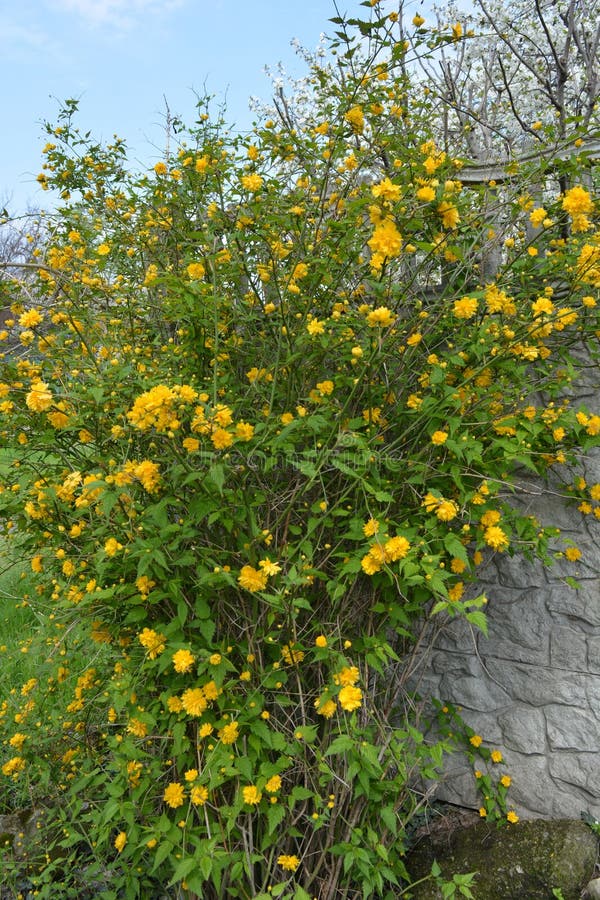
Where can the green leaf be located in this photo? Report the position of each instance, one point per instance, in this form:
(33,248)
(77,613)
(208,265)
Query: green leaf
(340,745)
(216,474)
(479,620)
(182,869)
(244,767)
(275,814)
(300,894)
(162,851)
(455,547)
(206,864)
(389,818)
(299,793)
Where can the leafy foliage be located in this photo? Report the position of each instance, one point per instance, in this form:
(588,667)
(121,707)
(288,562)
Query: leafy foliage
(265,419)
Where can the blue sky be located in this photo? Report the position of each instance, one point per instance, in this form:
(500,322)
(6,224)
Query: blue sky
(121,57)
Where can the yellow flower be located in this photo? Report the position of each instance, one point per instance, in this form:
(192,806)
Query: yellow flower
(495,538)
(252,182)
(211,691)
(512,817)
(439,437)
(476,740)
(273,784)
(325,387)
(183,660)
(152,641)
(244,431)
(192,445)
(577,201)
(537,216)
(320,641)
(418,20)
(446,510)
(370,564)
(137,728)
(386,241)
(347,675)
(14,767)
(465,308)
(426,194)
(506,781)
(289,863)
(229,733)
(199,795)
(482,812)
(148,475)
(386,189)
(325,707)
(39,398)
(252,579)
(221,439)
(449,214)
(496,756)
(396,548)
(382,317)
(350,698)
(456,592)
(542,306)
(120,841)
(251,795)
(160,168)
(196,271)
(194,701)
(268,567)
(573,554)
(30,318)
(371,527)
(290,655)
(173,795)
(355,118)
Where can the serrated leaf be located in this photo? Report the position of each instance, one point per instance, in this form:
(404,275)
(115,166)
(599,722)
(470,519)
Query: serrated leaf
(162,851)
(389,818)
(216,474)
(455,547)
(340,745)
(479,620)
(182,869)
(275,815)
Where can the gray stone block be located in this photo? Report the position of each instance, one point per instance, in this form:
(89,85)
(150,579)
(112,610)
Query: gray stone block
(593,653)
(523,729)
(475,693)
(568,649)
(538,686)
(582,604)
(531,786)
(572,729)
(579,769)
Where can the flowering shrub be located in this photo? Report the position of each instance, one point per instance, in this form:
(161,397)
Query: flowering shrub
(264,417)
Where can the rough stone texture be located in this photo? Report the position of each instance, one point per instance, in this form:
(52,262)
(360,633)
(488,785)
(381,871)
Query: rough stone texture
(526,861)
(532,688)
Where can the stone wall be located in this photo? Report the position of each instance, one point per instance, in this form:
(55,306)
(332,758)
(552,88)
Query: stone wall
(532,687)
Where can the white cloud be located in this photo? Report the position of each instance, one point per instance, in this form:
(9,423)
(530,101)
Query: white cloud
(120,14)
